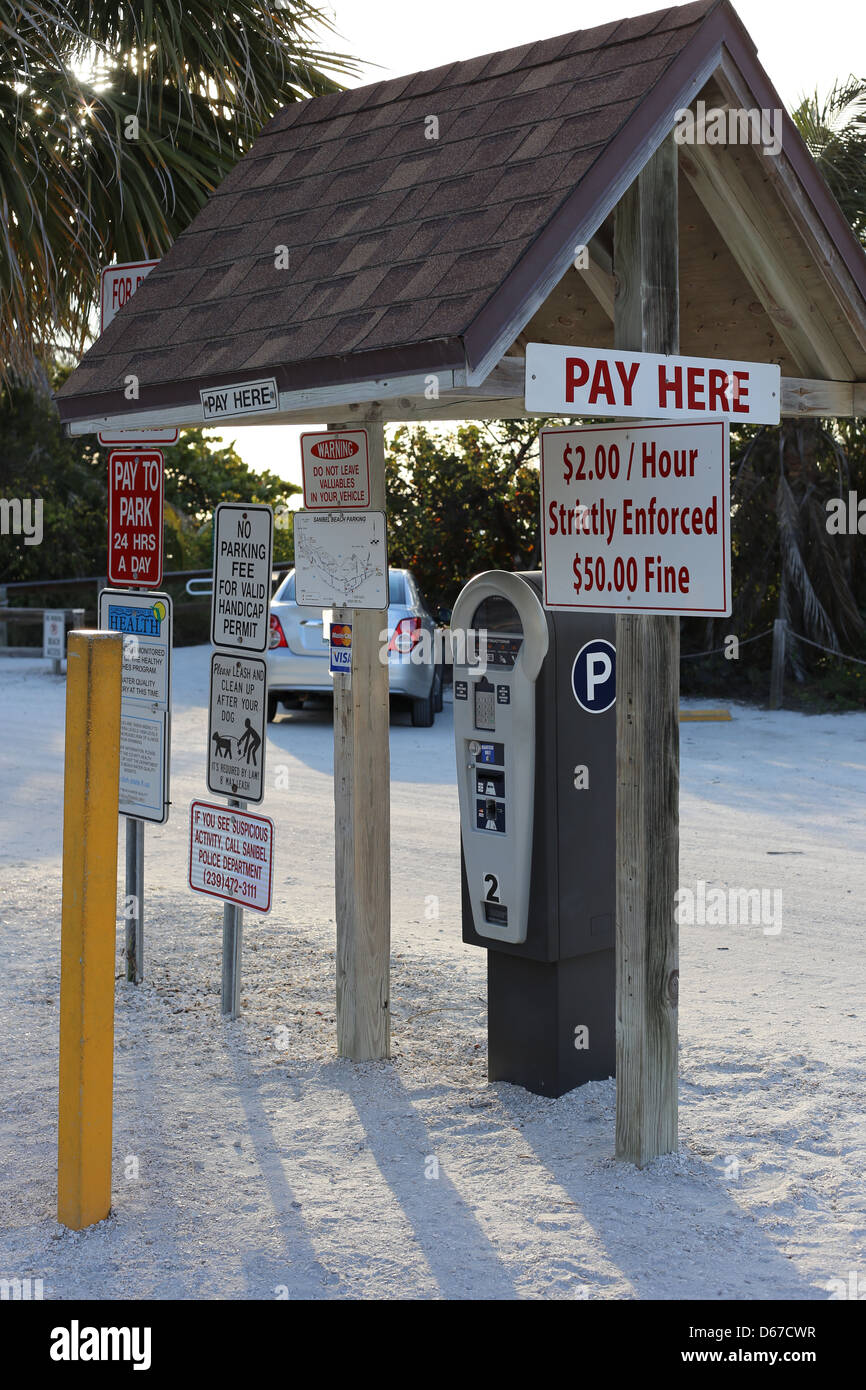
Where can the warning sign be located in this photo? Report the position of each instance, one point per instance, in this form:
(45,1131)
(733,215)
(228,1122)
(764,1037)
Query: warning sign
(243,552)
(336,470)
(135,492)
(231,855)
(236,729)
(635,518)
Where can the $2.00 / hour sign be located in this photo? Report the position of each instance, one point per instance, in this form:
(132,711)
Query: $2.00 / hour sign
(635,518)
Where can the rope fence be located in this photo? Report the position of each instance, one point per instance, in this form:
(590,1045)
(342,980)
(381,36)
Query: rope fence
(716,651)
(797,637)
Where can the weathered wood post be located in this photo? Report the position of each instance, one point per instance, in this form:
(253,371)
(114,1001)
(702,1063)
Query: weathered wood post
(362,831)
(777,670)
(646,319)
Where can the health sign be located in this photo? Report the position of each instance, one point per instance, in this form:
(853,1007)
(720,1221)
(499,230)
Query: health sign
(635,518)
(135,490)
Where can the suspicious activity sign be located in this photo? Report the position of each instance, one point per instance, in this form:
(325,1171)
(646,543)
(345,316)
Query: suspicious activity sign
(635,518)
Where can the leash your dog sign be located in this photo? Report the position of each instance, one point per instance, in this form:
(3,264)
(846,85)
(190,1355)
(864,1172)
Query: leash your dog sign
(236,727)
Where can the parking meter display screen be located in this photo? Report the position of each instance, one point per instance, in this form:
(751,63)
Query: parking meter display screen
(500,620)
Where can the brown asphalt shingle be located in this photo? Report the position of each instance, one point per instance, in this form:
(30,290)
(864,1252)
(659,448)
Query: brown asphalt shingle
(393,238)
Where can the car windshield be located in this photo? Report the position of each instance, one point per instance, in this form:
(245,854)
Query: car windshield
(396,589)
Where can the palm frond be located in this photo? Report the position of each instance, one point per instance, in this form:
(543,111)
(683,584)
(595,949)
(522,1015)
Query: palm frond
(74,190)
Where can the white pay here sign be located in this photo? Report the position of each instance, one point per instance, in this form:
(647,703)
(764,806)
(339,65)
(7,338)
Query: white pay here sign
(647,385)
(635,518)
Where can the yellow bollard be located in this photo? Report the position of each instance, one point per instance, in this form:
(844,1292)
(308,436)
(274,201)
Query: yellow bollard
(90,797)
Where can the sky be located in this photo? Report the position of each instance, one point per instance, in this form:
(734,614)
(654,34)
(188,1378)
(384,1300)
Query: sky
(802,45)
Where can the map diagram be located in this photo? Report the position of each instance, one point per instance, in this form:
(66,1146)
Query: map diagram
(341,559)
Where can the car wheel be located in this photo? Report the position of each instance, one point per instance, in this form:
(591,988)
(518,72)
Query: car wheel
(438,683)
(423,711)
(272,708)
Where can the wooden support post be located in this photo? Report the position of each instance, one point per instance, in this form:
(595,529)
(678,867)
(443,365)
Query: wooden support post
(90,796)
(777,670)
(362,830)
(646,318)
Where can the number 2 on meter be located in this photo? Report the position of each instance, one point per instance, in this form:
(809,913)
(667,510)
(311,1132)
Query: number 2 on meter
(492,894)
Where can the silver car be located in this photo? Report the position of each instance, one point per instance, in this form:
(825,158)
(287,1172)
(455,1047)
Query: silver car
(298,660)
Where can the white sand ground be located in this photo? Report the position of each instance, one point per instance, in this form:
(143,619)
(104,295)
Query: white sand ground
(250,1163)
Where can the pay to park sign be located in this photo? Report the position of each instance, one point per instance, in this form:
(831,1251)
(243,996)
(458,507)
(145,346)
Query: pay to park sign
(135,497)
(634,518)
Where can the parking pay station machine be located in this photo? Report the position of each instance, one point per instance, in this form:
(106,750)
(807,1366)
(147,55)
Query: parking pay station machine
(535,732)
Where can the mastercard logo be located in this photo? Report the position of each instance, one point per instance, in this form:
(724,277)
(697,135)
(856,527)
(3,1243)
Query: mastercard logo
(341,635)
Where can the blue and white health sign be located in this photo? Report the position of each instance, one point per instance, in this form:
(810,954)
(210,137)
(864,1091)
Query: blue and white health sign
(145,621)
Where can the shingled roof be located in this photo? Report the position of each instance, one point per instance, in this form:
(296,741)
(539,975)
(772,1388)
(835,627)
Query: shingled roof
(403,249)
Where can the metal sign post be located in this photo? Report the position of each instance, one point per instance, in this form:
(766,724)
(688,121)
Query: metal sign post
(233,930)
(145,621)
(240,627)
(134,902)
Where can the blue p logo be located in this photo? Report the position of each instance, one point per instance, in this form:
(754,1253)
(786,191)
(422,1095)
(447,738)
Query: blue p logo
(593,676)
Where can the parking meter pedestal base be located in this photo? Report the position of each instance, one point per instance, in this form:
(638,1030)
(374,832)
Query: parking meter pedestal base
(550,1024)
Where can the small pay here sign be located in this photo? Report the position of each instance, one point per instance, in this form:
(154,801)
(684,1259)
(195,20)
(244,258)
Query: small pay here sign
(592,382)
(635,518)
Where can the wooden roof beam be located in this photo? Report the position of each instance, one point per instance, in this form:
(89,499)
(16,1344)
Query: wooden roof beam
(747,229)
(790,190)
(500,396)
(599,276)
